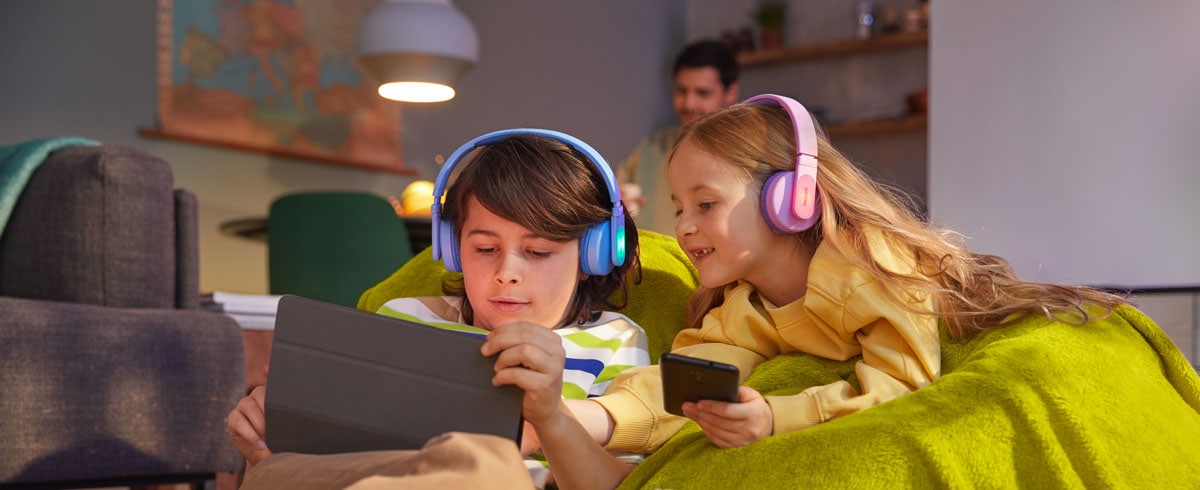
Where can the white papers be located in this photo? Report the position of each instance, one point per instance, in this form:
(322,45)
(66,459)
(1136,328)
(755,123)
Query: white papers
(250,311)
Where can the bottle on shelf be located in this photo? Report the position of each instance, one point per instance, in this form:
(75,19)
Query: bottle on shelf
(865,19)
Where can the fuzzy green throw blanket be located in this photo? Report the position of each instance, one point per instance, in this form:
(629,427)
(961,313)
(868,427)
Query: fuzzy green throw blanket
(657,303)
(1043,404)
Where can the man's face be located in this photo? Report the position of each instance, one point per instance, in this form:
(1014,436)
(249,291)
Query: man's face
(698,93)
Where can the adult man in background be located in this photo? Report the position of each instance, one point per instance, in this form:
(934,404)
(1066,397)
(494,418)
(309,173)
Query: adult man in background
(706,81)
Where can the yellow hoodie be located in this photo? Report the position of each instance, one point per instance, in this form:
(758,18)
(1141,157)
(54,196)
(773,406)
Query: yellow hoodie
(845,312)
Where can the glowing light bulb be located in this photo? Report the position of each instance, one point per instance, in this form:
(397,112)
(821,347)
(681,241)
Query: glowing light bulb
(416,91)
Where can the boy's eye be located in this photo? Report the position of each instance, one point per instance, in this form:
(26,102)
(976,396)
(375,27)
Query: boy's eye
(485,250)
(706,205)
(538,253)
(678,212)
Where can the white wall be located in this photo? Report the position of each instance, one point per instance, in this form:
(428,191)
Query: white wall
(1065,136)
(598,70)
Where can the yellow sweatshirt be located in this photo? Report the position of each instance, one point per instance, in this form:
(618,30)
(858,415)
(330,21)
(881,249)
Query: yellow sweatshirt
(844,313)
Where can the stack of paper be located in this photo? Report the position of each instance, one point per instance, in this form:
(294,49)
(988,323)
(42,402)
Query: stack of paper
(251,311)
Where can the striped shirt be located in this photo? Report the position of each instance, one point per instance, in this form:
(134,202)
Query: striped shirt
(595,351)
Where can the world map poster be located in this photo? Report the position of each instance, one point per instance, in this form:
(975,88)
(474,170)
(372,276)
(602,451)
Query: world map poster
(277,76)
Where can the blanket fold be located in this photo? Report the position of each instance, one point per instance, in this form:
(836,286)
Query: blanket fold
(1109,404)
(17,163)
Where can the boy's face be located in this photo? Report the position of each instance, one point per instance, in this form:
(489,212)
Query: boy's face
(512,275)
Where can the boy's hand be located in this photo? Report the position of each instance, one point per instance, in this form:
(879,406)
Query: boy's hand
(246,425)
(532,358)
(529,440)
(733,424)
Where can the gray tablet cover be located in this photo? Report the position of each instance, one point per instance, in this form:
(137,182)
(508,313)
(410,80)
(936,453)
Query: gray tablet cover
(343,380)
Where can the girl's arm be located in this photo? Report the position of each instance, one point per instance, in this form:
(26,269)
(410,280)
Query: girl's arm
(592,418)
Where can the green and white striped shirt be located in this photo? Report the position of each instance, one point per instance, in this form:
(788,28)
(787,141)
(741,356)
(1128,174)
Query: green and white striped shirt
(596,351)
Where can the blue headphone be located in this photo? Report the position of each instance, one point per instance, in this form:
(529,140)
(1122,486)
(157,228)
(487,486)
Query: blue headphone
(600,249)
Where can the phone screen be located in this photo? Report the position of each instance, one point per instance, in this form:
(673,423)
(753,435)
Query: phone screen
(692,379)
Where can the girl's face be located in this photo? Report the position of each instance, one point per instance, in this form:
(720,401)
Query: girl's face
(510,274)
(719,224)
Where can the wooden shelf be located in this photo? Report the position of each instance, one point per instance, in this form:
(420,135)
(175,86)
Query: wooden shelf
(913,122)
(889,42)
(157,133)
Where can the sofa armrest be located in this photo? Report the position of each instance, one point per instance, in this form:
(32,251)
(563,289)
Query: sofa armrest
(90,392)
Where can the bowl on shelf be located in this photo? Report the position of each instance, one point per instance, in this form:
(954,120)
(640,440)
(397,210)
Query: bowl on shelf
(918,102)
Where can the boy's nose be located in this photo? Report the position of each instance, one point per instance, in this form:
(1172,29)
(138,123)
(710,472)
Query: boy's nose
(510,271)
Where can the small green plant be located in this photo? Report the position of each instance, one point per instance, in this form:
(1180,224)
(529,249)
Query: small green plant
(770,14)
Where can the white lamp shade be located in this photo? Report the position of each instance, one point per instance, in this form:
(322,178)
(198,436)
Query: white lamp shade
(413,44)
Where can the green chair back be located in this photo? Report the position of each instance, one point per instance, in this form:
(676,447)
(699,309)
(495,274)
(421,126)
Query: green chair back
(332,246)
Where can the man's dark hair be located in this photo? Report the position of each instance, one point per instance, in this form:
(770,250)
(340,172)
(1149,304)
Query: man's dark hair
(709,53)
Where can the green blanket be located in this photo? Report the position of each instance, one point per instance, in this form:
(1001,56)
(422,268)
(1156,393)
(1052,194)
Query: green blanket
(17,163)
(1109,404)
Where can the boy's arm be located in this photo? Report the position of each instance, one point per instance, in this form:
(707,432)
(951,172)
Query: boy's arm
(532,358)
(576,460)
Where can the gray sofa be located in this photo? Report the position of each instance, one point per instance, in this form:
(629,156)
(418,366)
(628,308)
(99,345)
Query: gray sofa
(110,374)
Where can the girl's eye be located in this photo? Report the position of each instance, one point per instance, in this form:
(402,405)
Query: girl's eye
(707,205)
(538,253)
(678,212)
(484,250)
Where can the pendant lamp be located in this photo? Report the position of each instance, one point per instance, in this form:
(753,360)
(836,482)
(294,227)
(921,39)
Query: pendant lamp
(417,49)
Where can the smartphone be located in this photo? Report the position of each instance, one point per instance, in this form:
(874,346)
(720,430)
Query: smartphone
(692,379)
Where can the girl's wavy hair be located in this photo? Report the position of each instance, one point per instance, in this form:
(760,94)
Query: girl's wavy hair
(971,292)
(557,193)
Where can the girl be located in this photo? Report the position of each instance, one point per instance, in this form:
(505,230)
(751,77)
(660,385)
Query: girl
(535,224)
(799,251)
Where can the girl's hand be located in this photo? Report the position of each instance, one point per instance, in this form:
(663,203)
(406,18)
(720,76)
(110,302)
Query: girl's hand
(532,358)
(247,424)
(733,424)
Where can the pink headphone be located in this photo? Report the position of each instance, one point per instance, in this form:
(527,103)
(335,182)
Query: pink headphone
(790,202)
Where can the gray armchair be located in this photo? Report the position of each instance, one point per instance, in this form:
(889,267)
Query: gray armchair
(110,374)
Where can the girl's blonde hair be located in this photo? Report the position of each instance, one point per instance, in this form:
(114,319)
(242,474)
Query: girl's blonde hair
(971,291)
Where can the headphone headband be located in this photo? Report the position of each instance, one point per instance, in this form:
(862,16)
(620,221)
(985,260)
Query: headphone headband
(443,177)
(789,199)
(601,247)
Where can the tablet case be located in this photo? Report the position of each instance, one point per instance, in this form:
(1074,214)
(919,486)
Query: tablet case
(344,380)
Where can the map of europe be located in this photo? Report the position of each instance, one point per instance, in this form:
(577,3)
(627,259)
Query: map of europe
(274,74)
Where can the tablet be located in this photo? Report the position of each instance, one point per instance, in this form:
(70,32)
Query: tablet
(344,380)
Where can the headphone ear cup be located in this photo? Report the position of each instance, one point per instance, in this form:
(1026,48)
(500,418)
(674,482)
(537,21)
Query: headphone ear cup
(447,245)
(776,204)
(595,250)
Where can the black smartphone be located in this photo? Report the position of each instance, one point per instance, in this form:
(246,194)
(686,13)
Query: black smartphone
(692,379)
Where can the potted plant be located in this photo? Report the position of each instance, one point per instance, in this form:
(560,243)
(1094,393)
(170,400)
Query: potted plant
(770,17)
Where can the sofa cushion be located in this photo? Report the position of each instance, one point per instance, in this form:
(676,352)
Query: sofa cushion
(95,225)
